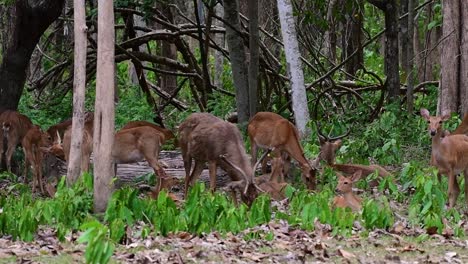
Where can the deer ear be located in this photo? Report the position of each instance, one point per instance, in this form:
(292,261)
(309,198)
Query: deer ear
(425,113)
(445,115)
(356,176)
(337,143)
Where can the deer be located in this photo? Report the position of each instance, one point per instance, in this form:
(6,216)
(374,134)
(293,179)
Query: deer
(137,144)
(206,138)
(168,135)
(33,142)
(270,130)
(463,127)
(346,197)
(62,149)
(14,128)
(59,129)
(328,148)
(450,154)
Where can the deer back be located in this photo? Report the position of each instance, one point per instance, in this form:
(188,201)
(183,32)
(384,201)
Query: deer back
(130,144)
(209,141)
(463,127)
(166,132)
(15,125)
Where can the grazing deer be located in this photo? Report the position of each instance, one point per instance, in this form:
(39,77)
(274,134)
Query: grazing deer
(62,150)
(346,196)
(32,143)
(166,132)
(59,129)
(14,128)
(270,130)
(206,138)
(450,154)
(328,148)
(137,144)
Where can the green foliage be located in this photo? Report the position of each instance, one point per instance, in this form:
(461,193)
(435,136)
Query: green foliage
(377,214)
(100,247)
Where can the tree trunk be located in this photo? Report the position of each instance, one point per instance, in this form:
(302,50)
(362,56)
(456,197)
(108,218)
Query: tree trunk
(293,60)
(464,58)
(238,59)
(392,83)
(219,59)
(30,22)
(330,34)
(404,38)
(254,56)
(450,62)
(79,84)
(410,57)
(353,34)
(391,50)
(168,82)
(104,107)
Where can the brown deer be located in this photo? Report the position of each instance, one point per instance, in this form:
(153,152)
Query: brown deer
(328,148)
(62,150)
(270,130)
(33,142)
(137,144)
(346,196)
(206,138)
(14,127)
(168,135)
(59,129)
(450,154)
(463,127)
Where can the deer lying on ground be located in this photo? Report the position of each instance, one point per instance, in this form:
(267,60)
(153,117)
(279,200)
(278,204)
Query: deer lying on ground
(328,148)
(32,143)
(346,196)
(269,130)
(206,138)
(14,127)
(450,154)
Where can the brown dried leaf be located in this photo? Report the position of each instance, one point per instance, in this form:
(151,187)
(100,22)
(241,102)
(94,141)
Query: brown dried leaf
(345,254)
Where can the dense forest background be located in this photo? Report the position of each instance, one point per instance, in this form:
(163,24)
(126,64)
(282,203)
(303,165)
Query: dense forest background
(363,67)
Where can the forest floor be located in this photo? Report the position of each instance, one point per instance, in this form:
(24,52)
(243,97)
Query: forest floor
(275,242)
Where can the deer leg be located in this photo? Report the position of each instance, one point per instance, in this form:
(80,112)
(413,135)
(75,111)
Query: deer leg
(26,165)
(8,155)
(286,165)
(39,171)
(265,164)
(453,189)
(465,173)
(253,152)
(212,170)
(197,170)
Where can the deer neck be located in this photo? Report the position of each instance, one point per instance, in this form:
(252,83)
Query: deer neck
(352,200)
(437,138)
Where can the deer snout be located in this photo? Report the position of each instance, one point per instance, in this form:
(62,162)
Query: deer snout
(338,191)
(433,132)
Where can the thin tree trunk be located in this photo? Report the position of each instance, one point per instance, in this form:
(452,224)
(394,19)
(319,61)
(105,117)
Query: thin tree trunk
(29,23)
(330,34)
(391,50)
(203,54)
(254,56)
(79,84)
(104,107)
(464,58)
(291,47)
(404,38)
(450,71)
(219,59)
(238,60)
(410,57)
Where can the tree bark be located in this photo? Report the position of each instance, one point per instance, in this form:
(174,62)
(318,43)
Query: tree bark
(79,85)
(30,22)
(104,107)
(392,82)
(291,48)
(254,56)
(450,71)
(330,34)
(410,57)
(219,59)
(464,58)
(238,59)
